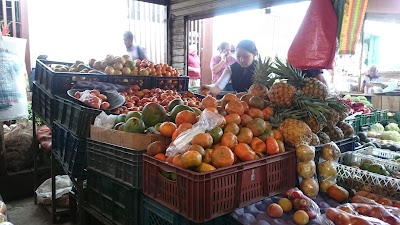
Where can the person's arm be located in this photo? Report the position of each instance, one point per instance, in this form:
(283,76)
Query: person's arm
(364,83)
(217,66)
(143,54)
(216,88)
(321,78)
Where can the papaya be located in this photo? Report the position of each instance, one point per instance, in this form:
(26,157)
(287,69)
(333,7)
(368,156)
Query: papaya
(153,113)
(133,114)
(177,109)
(338,193)
(174,103)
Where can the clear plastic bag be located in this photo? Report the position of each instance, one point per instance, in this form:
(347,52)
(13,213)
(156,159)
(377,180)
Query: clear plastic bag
(301,202)
(104,120)
(208,120)
(388,215)
(338,216)
(306,170)
(327,165)
(63,186)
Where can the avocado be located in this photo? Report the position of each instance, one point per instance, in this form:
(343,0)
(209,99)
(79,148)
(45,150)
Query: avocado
(378,168)
(174,103)
(173,176)
(116,126)
(165,174)
(365,165)
(384,146)
(363,136)
(377,144)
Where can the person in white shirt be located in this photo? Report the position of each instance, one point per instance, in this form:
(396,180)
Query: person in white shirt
(372,76)
(134,51)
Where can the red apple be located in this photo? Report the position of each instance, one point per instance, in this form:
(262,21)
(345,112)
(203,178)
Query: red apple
(274,210)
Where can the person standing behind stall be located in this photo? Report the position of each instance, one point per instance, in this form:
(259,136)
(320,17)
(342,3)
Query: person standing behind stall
(193,66)
(372,76)
(241,72)
(133,50)
(219,62)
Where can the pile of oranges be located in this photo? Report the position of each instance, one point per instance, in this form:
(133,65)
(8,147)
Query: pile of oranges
(243,135)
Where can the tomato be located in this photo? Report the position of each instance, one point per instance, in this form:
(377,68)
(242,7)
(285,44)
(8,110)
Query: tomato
(105,105)
(102,97)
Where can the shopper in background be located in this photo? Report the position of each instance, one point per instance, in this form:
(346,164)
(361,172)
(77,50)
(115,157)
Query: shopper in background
(193,66)
(219,62)
(317,74)
(32,74)
(241,72)
(372,76)
(133,50)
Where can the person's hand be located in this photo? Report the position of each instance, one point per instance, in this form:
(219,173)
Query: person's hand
(205,90)
(223,56)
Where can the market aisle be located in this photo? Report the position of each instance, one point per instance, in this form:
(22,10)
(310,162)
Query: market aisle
(23,211)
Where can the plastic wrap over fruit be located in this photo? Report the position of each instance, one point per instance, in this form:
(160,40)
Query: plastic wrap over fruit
(338,216)
(301,201)
(208,120)
(327,165)
(104,120)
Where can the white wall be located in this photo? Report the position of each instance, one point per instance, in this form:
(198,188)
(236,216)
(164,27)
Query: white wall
(76,29)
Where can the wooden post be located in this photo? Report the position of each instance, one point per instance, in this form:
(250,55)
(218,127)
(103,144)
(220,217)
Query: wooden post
(2,152)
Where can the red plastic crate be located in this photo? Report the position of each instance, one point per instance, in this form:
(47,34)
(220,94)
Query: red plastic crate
(200,197)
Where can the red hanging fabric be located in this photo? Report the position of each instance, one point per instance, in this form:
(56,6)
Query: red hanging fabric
(314,45)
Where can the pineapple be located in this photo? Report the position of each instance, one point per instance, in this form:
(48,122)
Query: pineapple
(260,78)
(295,132)
(334,133)
(309,86)
(342,115)
(323,137)
(314,125)
(347,129)
(315,140)
(281,94)
(280,114)
(333,118)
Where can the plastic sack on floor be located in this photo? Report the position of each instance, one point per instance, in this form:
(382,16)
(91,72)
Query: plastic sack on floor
(208,120)
(314,45)
(63,187)
(13,99)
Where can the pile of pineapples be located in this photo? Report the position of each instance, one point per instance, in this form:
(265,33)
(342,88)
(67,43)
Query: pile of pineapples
(304,111)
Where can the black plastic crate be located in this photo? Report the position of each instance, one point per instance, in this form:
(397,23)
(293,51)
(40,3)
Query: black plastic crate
(61,82)
(69,150)
(43,104)
(76,118)
(171,83)
(122,164)
(157,214)
(144,82)
(116,201)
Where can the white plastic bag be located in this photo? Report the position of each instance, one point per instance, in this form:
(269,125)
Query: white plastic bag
(208,120)
(104,120)
(63,186)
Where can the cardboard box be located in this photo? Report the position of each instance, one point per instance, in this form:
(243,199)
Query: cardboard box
(125,139)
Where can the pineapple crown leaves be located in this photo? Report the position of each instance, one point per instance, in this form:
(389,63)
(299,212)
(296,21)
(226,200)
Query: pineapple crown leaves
(314,107)
(280,114)
(284,70)
(263,71)
(336,104)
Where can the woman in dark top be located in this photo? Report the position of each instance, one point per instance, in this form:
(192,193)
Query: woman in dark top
(241,72)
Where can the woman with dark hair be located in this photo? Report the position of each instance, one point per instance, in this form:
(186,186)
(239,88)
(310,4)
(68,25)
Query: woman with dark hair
(240,73)
(220,62)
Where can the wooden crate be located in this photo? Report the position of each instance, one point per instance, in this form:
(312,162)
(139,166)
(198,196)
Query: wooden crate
(124,139)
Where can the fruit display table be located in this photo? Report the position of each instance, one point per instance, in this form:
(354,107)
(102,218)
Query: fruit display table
(257,213)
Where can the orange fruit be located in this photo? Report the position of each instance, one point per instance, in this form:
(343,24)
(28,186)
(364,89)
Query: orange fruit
(167,129)
(232,127)
(197,148)
(191,159)
(211,109)
(205,167)
(256,113)
(300,217)
(222,156)
(208,101)
(161,157)
(245,119)
(234,107)
(244,152)
(185,116)
(281,146)
(258,126)
(245,106)
(272,146)
(258,145)
(245,135)
(268,112)
(170,159)
(229,140)
(207,155)
(205,140)
(277,135)
(228,98)
(233,118)
(177,160)
(222,120)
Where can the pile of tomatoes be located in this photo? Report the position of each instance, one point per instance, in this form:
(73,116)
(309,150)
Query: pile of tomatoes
(93,98)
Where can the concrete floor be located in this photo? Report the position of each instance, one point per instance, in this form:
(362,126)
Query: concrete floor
(23,211)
